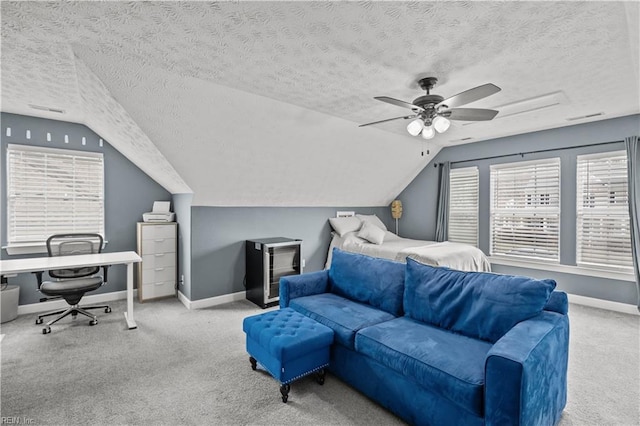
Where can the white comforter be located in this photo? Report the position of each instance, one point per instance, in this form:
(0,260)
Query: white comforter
(463,257)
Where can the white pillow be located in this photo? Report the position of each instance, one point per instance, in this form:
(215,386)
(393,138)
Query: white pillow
(371,233)
(372,219)
(342,225)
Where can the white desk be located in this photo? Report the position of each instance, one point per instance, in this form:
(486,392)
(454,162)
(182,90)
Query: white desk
(18,266)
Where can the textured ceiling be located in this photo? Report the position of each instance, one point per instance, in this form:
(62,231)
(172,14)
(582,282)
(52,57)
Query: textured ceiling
(257,103)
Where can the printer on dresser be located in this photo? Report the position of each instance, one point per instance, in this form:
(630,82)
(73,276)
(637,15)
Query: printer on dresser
(157,245)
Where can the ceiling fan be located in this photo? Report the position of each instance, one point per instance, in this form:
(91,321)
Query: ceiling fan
(433,112)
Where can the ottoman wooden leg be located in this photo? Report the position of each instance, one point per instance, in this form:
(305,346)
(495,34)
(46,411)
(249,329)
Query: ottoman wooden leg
(284,390)
(320,376)
(253,362)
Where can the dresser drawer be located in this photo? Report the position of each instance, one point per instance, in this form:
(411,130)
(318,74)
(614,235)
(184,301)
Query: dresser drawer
(158,289)
(158,274)
(152,232)
(158,260)
(158,245)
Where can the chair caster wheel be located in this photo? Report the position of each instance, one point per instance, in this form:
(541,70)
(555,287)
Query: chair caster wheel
(46,330)
(107,310)
(39,321)
(93,322)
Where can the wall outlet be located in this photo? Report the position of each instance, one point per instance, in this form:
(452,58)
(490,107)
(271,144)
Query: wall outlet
(304,263)
(182,280)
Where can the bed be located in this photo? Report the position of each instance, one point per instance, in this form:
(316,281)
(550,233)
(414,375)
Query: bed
(388,245)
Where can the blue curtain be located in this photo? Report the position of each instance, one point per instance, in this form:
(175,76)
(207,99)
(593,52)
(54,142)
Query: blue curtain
(633,174)
(442,218)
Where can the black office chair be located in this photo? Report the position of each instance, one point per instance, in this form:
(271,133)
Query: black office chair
(72,284)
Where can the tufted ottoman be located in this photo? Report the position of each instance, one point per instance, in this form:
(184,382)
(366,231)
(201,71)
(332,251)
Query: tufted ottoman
(288,345)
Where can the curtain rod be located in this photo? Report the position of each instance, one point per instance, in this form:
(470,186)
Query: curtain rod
(522,154)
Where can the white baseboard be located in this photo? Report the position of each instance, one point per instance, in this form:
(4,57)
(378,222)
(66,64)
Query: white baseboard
(603,304)
(211,301)
(183,299)
(92,299)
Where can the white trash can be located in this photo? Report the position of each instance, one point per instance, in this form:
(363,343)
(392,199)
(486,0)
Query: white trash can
(9,303)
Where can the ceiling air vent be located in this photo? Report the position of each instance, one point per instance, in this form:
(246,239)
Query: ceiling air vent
(531,104)
(48,109)
(460,140)
(582,117)
(528,105)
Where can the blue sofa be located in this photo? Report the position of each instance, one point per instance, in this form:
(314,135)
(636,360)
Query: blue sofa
(438,346)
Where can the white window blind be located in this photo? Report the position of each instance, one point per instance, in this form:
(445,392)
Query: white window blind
(463,205)
(525,209)
(602,227)
(53,191)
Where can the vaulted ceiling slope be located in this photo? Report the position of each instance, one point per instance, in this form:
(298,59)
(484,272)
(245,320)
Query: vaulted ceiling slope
(257,103)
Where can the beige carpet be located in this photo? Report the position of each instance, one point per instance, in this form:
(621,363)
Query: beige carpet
(190,367)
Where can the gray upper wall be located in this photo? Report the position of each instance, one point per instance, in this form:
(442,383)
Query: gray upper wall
(219,235)
(419,199)
(212,238)
(182,208)
(129,192)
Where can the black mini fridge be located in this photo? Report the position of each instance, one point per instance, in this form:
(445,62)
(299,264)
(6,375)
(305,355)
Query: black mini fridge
(268,260)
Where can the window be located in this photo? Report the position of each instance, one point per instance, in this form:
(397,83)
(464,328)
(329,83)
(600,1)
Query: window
(463,205)
(52,191)
(603,235)
(525,210)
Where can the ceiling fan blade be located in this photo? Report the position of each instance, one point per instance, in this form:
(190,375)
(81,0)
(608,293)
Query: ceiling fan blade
(406,117)
(398,102)
(470,95)
(470,114)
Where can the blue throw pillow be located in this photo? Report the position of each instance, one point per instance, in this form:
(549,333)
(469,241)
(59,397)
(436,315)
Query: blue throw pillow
(371,280)
(476,304)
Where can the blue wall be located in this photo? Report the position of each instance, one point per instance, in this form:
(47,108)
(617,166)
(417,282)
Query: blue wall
(420,197)
(129,192)
(182,208)
(212,238)
(219,235)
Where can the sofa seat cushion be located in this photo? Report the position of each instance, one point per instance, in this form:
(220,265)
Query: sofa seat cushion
(343,316)
(446,363)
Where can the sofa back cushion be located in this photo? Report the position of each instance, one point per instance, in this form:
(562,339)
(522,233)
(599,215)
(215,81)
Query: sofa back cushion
(558,302)
(365,279)
(476,304)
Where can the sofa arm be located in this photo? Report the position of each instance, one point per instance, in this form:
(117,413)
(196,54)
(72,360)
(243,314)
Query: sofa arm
(526,373)
(293,286)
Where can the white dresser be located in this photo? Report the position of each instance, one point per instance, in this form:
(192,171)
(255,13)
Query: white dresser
(157,274)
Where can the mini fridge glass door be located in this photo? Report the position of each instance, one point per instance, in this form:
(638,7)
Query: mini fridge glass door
(279,262)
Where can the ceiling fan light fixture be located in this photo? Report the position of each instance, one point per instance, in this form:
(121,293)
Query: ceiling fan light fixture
(428,132)
(441,124)
(431,113)
(415,127)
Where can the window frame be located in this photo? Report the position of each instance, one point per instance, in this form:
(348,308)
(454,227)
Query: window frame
(21,243)
(472,172)
(601,211)
(554,163)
